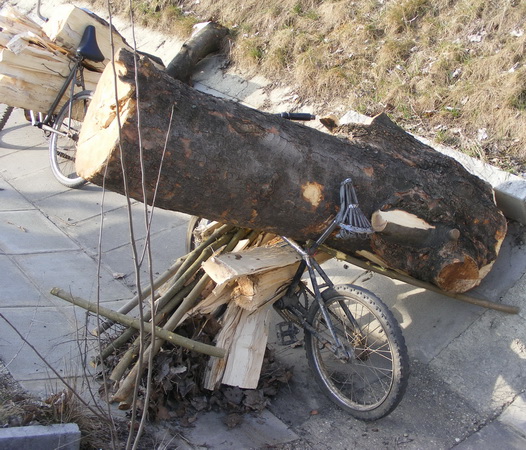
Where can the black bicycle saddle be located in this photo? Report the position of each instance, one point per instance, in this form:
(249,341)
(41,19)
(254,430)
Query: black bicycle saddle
(88,47)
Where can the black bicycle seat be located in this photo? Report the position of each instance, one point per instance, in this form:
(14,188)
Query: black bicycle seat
(88,47)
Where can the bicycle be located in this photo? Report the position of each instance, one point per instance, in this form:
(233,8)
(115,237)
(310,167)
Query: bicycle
(64,127)
(354,344)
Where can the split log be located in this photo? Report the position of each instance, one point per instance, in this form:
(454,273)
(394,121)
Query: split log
(32,66)
(229,266)
(34,62)
(233,164)
(66,26)
(244,335)
(32,79)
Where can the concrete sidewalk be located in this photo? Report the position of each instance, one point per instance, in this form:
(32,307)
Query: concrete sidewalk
(468,364)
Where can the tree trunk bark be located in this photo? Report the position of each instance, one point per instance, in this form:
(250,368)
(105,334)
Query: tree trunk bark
(227,162)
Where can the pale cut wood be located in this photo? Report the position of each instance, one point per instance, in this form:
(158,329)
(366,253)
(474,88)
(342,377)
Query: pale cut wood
(32,68)
(13,22)
(35,87)
(245,357)
(254,291)
(66,26)
(220,295)
(226,267)
(216,366)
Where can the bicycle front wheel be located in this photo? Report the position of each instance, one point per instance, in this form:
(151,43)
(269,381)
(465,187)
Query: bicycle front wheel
(63,143)
(371,380)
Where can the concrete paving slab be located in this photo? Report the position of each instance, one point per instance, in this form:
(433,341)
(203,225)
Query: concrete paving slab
(17,129)
(116,232)
(23,162)
(31,232)
(73,272)
(18,290)
(76,205)
(52,331)
(38,185)
(514,416)
(486,363)
(11,199)
(256,431)
(166,247)
(428,321)
(495,435)
(509,266)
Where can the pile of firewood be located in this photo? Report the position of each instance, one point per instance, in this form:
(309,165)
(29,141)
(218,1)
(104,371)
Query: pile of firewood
(216,300)
(35,60)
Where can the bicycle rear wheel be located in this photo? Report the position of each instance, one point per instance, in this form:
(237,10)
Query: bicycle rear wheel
(371,383)
(63,145)
(5,113)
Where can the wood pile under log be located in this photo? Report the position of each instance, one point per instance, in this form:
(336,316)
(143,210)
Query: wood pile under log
(199,285)
(33,66)
(35,60)
(221,160)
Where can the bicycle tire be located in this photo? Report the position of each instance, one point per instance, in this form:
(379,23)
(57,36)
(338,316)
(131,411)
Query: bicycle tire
(372,383)
(192,240)
(190,237)
(63,149)
(4,116)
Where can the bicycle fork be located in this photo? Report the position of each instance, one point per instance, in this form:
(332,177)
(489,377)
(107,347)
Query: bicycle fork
(313,267)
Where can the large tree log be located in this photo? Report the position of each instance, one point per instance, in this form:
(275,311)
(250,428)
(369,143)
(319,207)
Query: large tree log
(230,163)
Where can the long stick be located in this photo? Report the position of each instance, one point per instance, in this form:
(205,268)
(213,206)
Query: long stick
(129,332)
(510,309)
(177,290)
(173,338)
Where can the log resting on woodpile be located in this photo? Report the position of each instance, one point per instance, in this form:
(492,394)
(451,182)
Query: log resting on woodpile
(227,162)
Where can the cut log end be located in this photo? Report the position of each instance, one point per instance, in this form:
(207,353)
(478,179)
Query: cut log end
(100,125)
(460,276)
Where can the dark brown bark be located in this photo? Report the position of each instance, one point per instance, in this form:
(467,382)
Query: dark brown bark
(230,163)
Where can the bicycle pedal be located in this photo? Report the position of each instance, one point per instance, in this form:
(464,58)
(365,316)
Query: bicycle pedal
(286,333)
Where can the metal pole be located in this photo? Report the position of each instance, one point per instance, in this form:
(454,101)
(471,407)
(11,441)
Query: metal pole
(40,16)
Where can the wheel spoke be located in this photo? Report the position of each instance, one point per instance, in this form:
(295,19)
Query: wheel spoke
(372,382)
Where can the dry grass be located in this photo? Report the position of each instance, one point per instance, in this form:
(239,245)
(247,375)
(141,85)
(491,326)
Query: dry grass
(449,69)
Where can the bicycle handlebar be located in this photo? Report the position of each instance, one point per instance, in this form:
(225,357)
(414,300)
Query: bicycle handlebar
(296,116)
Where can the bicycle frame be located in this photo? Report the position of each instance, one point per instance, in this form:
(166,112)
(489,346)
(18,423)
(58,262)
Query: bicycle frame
(71,81)
(349,202)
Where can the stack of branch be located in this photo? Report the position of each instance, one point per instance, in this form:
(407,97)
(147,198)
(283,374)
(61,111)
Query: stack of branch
(35,60)
(229,281)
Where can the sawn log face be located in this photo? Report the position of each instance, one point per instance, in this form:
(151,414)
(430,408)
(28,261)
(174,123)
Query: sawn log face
(227,162)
